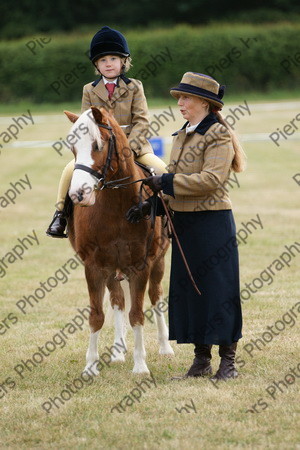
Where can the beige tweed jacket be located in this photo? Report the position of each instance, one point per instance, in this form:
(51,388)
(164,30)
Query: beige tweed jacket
(129,107)
(201,162)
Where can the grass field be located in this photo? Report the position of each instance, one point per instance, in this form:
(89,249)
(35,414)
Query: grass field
(237,414)
(7,108)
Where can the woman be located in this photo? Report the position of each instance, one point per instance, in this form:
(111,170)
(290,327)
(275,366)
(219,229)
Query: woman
(204,152)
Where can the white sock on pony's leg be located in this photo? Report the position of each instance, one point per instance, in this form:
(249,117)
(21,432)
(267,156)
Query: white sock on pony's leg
(92,355)
(163,333)
(119,343)
(139,353)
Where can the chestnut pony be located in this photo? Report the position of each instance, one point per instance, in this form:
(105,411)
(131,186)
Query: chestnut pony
(111,248)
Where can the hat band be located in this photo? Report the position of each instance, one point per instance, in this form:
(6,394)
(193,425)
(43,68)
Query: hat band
(190,89)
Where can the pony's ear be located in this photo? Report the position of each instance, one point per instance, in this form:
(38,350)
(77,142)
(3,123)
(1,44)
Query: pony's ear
(71,116)
(97,114)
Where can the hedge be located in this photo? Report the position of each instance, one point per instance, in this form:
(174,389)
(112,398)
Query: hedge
(54,68)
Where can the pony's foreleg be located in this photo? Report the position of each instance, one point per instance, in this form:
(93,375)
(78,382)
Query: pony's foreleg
(156,295)
(118,305)
(96,286)
(136,318)
(92,355)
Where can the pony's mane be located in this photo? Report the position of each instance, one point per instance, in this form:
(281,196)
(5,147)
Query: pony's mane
(123,147)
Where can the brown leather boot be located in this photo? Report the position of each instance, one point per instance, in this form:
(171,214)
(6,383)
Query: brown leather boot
(226,369)
(201,365)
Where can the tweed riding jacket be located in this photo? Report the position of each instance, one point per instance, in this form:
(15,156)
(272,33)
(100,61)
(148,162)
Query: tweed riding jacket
(129,107)
(199,168)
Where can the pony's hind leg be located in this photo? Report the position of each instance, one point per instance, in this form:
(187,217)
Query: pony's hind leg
(156,296)
(118,305)
(136,318)
(96,287)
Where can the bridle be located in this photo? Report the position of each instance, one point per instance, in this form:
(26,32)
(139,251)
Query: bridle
(101,177)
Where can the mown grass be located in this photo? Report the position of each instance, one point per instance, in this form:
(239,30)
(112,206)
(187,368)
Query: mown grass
(278,95)
(85,421)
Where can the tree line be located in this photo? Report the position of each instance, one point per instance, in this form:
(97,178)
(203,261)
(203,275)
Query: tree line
(26,17)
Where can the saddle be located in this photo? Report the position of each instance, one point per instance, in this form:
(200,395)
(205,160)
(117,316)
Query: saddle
(148,171)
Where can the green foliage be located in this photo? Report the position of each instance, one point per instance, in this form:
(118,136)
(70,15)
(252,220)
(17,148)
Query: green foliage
(245,58)
(67,15)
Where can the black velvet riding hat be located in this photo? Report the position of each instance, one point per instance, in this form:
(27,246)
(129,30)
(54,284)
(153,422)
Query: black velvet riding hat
(108,42)
(200,85)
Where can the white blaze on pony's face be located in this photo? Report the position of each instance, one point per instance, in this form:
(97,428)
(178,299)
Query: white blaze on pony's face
(86,138)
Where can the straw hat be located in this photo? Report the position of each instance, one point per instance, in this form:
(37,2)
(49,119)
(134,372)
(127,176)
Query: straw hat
(200,85)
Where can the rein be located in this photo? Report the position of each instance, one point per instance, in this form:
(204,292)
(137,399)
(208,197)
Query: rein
(152,217)
(179,245)
(115,184)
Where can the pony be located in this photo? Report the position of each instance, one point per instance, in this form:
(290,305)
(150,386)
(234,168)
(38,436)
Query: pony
(103,187)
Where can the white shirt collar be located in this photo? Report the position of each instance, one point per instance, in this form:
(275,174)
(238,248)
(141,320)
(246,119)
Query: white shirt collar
(109,81)
(190,128)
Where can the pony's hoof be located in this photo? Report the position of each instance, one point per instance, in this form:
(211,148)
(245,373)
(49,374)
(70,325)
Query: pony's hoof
(140,368)
(166,349)
(91,368)
(118,358)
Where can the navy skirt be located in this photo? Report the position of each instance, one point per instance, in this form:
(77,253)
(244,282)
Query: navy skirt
(209,243)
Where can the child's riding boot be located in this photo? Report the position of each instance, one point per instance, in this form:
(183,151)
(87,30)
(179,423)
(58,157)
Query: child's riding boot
(59,222)
(58,225)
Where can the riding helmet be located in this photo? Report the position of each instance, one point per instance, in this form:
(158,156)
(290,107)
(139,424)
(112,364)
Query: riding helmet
(108,42)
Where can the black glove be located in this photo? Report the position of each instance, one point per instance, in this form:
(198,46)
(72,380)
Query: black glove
(154,182)
(135,214)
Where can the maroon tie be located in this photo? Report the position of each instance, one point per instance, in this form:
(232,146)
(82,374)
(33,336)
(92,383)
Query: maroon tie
(110,87)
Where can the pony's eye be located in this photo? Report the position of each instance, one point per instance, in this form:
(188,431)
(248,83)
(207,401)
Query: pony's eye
(95,147)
